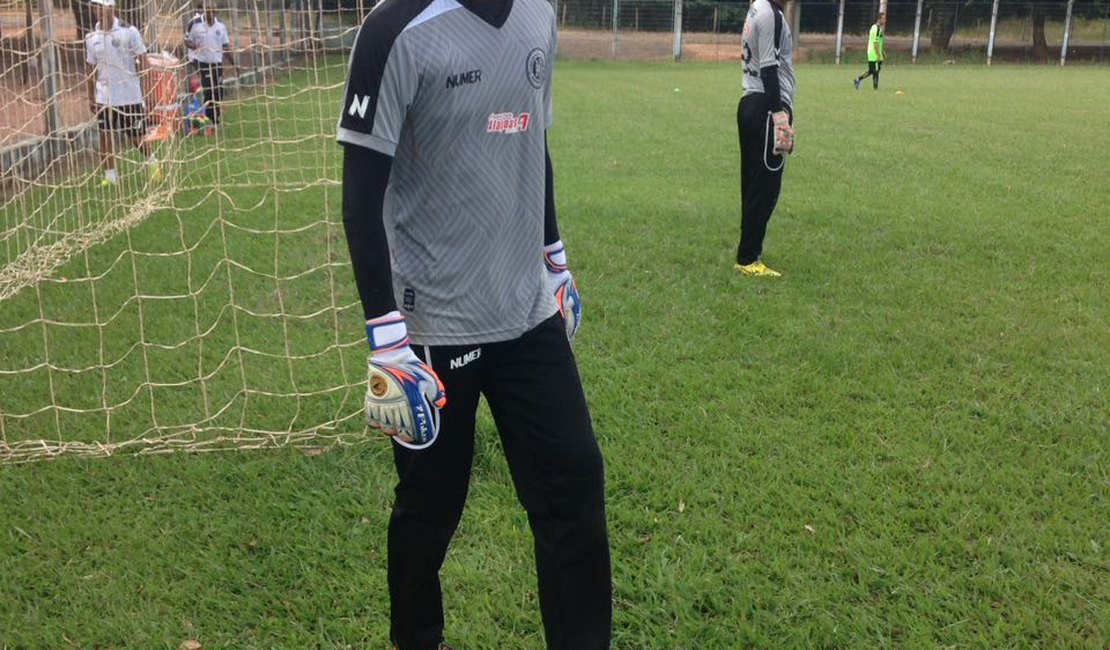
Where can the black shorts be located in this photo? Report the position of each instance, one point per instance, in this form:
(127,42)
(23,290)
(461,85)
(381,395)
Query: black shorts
(130,119)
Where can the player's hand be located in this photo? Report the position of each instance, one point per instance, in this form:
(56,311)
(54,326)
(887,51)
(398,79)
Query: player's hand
(784,133)
(564,287)
(403,394)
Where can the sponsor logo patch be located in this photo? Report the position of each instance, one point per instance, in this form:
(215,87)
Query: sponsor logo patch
(508,122)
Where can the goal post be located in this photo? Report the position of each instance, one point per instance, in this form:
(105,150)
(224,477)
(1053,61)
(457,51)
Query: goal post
(211,308)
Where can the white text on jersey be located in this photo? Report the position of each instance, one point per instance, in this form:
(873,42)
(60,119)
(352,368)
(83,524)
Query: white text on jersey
(459,362)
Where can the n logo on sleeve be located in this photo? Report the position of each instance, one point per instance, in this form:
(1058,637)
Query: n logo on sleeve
(359,105)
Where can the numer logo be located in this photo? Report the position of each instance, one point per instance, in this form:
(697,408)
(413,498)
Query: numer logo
(459,362)
(359,105)
(464,78)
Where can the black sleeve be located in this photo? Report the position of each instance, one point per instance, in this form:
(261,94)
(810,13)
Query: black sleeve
(365,177)
(770,77)
(550,225)
(770,74)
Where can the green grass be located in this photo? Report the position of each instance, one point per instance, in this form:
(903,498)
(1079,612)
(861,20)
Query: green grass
(902,443)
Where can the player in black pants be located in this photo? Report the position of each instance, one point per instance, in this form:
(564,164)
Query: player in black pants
(465,289)
(765,121)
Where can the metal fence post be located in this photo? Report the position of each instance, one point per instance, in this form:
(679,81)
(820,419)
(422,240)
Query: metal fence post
(616,28)
(917,30)
(839,31)
(255,40)
(233,9)
(994,26)
(49,69)
(677,27)
(1067,35)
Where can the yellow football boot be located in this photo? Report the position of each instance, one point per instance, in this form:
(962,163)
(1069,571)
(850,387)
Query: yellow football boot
(757,269)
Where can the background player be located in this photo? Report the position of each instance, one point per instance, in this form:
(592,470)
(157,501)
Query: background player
(116,55)
(448,207)
(765,120)
(875,53)
(210,40)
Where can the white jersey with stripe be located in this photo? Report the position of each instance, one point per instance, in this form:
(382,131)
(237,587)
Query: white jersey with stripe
(766,41)
(208,41)
(461,105)
(113,52)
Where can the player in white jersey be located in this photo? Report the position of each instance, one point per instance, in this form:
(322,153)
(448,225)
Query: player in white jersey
(116,55)
(190,51)
(212,46)
(765,119)
(448,207)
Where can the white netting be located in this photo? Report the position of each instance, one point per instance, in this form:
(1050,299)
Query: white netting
(213,308)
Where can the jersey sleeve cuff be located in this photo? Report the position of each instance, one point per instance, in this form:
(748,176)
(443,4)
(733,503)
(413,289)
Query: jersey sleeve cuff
(372,142)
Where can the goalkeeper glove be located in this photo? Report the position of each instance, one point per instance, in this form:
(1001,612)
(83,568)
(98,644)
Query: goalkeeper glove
(563,286)
(403,394)
(784,133)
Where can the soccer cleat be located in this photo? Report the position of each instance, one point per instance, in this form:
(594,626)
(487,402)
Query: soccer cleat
(855,82)
(156,172)
(105,183)
(757,269)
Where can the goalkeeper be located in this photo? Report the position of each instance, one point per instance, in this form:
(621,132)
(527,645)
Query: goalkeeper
(765,121)
(449,213)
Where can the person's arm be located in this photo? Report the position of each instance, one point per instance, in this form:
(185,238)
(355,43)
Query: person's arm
(90,85)
(768,37)
(90,78)
(559,278)
(146,84)
(227,50)
(550,223)
(403,392)
(365,178)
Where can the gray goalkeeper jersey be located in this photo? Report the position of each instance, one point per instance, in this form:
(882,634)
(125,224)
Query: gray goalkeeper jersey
(766,41)
(462,106)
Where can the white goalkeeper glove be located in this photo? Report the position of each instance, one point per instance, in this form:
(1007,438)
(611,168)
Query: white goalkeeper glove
(563,286)
(784,133)
(403,394)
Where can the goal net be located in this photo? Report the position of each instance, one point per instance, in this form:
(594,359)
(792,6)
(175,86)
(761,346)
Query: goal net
(212,308)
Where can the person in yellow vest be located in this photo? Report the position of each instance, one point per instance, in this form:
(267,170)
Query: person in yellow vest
(875,53)
(116,55)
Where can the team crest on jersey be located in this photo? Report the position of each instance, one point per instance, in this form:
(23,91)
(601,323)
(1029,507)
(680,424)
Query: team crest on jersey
(508,122)
(536,67)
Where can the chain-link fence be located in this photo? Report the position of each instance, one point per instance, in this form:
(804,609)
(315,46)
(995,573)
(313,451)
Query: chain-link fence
(42,68)
(829,30)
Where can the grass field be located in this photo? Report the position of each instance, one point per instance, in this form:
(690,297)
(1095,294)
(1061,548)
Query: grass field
(901,443)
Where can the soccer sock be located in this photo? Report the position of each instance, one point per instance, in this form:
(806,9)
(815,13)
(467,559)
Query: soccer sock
(151,160)
(111,175)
